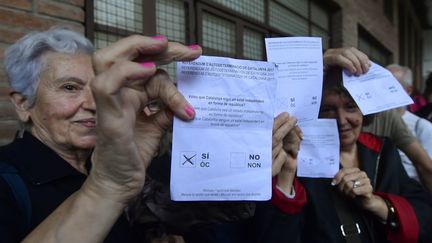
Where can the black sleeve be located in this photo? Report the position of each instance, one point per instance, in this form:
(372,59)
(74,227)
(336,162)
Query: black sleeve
(412,190)
(271,225)
(11,219)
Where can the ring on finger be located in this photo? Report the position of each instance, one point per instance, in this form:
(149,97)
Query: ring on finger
(356,184)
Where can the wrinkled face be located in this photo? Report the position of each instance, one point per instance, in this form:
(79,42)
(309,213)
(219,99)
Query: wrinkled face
(349,117)
(63,115)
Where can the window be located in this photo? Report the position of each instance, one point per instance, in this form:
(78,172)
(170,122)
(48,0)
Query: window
(171,22)
(373,49)
(253,44)
(218,35)
(410,42)
(251,8)
(234,28)
(300,17)
(388,9)
(114,19)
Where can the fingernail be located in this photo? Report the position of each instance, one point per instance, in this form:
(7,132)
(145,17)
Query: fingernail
(333,183)
(148,64)
(190,111)
(159,37)
(194,47)
(301,135)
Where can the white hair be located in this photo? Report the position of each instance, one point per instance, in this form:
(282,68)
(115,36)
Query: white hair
(407,77)
(23,62)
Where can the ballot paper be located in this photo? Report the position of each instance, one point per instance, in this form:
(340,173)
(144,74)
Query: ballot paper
(300,74)
(225,153)
(319,150)
(377,90)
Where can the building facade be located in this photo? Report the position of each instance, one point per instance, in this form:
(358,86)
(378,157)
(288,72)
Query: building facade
(386,30)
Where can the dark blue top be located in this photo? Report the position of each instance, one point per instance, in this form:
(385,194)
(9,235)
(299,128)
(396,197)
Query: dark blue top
(50,180)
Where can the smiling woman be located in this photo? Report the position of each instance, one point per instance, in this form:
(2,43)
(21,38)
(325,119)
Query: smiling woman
(371,198)
(338,104)
(50,77)
(75,182)
(63,115)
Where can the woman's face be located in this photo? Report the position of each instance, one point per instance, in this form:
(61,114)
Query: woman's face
(349,118)
(64,113)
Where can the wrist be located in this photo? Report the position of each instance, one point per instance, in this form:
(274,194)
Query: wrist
(391,221)
(377,206)
(285,182)
(104,190)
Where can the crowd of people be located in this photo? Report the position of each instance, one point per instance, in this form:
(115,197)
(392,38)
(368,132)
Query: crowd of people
(89,163)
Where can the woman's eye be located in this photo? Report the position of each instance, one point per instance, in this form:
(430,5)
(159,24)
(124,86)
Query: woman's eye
(325,110)
(69,87)
(352,107)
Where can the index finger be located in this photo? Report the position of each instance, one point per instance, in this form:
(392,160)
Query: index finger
(174,52)
(342,173)
(144,49)
(128,48)
(364,60)
(161,87)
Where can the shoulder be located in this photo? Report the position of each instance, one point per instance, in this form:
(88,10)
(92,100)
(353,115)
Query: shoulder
(10,217)
(424,124)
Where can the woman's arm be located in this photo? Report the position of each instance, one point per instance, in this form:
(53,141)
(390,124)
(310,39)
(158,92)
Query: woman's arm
(126,138)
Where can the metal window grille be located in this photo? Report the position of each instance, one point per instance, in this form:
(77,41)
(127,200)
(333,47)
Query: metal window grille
(171,22)
(103,39)
(298,6)
(119,14)
(287,21)
(253,44)
(171,19)
(250,8)
(115,19)
(218,35)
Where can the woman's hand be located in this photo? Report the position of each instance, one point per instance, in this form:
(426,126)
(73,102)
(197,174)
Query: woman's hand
(351,59)
(354,183)
(127,139)
(286,144)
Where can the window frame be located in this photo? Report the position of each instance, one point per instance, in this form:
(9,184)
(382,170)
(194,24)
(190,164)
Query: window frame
(194,12)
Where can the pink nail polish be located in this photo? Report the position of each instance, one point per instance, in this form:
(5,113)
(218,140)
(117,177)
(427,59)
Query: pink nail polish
(159,37)
(148,64)
(194,47)
(190,111)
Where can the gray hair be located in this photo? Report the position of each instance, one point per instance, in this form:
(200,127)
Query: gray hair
(23,63)
(407,73)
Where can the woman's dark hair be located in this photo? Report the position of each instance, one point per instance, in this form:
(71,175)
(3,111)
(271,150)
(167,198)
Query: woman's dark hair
(333,82)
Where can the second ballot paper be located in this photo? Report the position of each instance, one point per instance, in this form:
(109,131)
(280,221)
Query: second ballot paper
(225,153)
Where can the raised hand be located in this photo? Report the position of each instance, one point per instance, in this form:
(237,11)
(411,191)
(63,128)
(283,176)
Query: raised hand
(354,183)
(127,139)
(286,143)
(351,59)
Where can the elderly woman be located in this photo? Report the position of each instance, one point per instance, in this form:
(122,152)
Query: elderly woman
(77,195)
(371,198)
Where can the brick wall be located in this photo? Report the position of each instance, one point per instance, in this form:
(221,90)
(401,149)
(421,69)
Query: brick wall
(19,17)
(370,15)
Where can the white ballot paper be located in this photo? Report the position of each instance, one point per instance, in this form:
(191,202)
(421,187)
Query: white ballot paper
(319,149)
(225,153)
(300,74)
(377,90)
